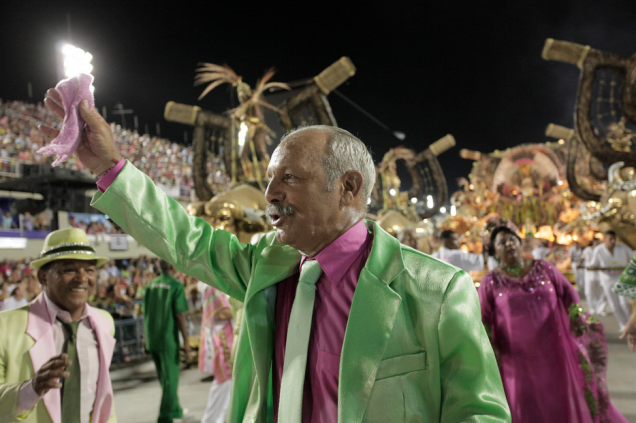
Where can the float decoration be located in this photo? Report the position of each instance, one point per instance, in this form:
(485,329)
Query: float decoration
(237,140)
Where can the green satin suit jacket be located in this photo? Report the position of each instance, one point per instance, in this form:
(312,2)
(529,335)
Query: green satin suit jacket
(414,350)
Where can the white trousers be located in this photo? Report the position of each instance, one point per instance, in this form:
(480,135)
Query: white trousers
(579,278)
(594,292)
(620,304)
(218,402)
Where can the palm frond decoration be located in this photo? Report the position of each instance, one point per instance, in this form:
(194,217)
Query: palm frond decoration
(251,100)
(216,75)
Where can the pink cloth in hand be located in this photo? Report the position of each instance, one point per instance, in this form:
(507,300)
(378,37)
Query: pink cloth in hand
(73,91)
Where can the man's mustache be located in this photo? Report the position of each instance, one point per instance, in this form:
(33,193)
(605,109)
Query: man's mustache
(278,209)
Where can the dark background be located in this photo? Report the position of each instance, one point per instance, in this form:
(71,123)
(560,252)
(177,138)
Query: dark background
(470,68)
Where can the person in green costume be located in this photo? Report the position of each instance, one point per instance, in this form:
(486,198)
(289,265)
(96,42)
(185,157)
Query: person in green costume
(413,345)
(163,307)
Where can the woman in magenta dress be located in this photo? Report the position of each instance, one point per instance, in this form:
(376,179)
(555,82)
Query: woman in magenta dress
(552,356)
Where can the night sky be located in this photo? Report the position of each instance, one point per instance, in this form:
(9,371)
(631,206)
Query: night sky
(470,68)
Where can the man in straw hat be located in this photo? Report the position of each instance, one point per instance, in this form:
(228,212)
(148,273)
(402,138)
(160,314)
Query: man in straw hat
(55,351)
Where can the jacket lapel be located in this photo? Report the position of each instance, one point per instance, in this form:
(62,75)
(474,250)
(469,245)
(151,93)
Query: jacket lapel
(39,327)
(276,263)
(370,324)
(103,406)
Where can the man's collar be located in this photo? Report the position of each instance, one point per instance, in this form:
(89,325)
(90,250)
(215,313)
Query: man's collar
(56,312)
(336,258)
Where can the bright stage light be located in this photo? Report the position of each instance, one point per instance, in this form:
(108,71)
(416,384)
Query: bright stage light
(242,134)
(413,200)
(76,61)
(392,191)
(442,209)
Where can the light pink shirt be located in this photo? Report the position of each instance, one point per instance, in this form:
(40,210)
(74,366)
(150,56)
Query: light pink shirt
(341,262)
(88,352)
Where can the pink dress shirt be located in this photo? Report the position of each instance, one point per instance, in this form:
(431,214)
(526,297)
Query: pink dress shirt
(341,262)
(106,180)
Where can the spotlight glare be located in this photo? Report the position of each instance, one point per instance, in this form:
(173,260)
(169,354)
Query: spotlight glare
(76,61)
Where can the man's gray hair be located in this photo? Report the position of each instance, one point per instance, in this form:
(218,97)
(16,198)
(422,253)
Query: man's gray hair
(345,152)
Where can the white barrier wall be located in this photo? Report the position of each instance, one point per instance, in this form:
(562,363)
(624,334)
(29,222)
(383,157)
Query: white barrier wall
(102,247)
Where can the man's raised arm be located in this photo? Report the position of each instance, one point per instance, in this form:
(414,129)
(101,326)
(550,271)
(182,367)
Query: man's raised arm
(157,221)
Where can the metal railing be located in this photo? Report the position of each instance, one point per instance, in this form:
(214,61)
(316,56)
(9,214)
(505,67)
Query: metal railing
(130,340)
(9,168)
(130,336)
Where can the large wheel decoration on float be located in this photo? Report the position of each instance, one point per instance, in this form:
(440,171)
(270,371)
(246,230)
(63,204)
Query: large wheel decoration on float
(605,119)
(427,179)
(605,111)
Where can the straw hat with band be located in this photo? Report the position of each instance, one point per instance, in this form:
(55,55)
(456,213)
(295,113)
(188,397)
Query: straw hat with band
(67,244)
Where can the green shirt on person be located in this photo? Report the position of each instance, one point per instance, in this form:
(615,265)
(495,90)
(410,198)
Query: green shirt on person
(163,299)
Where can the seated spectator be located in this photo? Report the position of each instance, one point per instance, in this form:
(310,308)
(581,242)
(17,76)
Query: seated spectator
(15,300)
(27,221)
(7,220)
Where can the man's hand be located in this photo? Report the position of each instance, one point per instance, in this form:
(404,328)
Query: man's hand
(187,349)
(630,333)
(97,148)
(50,374)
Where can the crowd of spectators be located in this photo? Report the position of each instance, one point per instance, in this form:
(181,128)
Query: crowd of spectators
(119,287)
(164,161)
(38,222)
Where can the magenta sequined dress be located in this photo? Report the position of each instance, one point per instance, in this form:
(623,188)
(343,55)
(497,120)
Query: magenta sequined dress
(549,373)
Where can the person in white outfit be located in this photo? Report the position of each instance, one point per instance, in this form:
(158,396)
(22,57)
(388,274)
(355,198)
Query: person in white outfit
(609,259)
(541,251)
(576,255)
(594,294)
(450,253)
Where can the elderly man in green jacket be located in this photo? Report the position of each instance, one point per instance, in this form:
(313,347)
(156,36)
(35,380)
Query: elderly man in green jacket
(341,322)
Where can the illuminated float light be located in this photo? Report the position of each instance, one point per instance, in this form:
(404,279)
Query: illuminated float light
(368,200)
(442,209)
(559,182)
(392,191)
(419,230)
(453,210)
(413,200)
(76,61)
(242,134)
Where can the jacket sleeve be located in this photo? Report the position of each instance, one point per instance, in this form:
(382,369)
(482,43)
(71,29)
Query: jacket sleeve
(471,386)
(8,391)
(157,221)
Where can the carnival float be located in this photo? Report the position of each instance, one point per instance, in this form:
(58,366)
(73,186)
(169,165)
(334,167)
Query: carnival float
(605,125)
